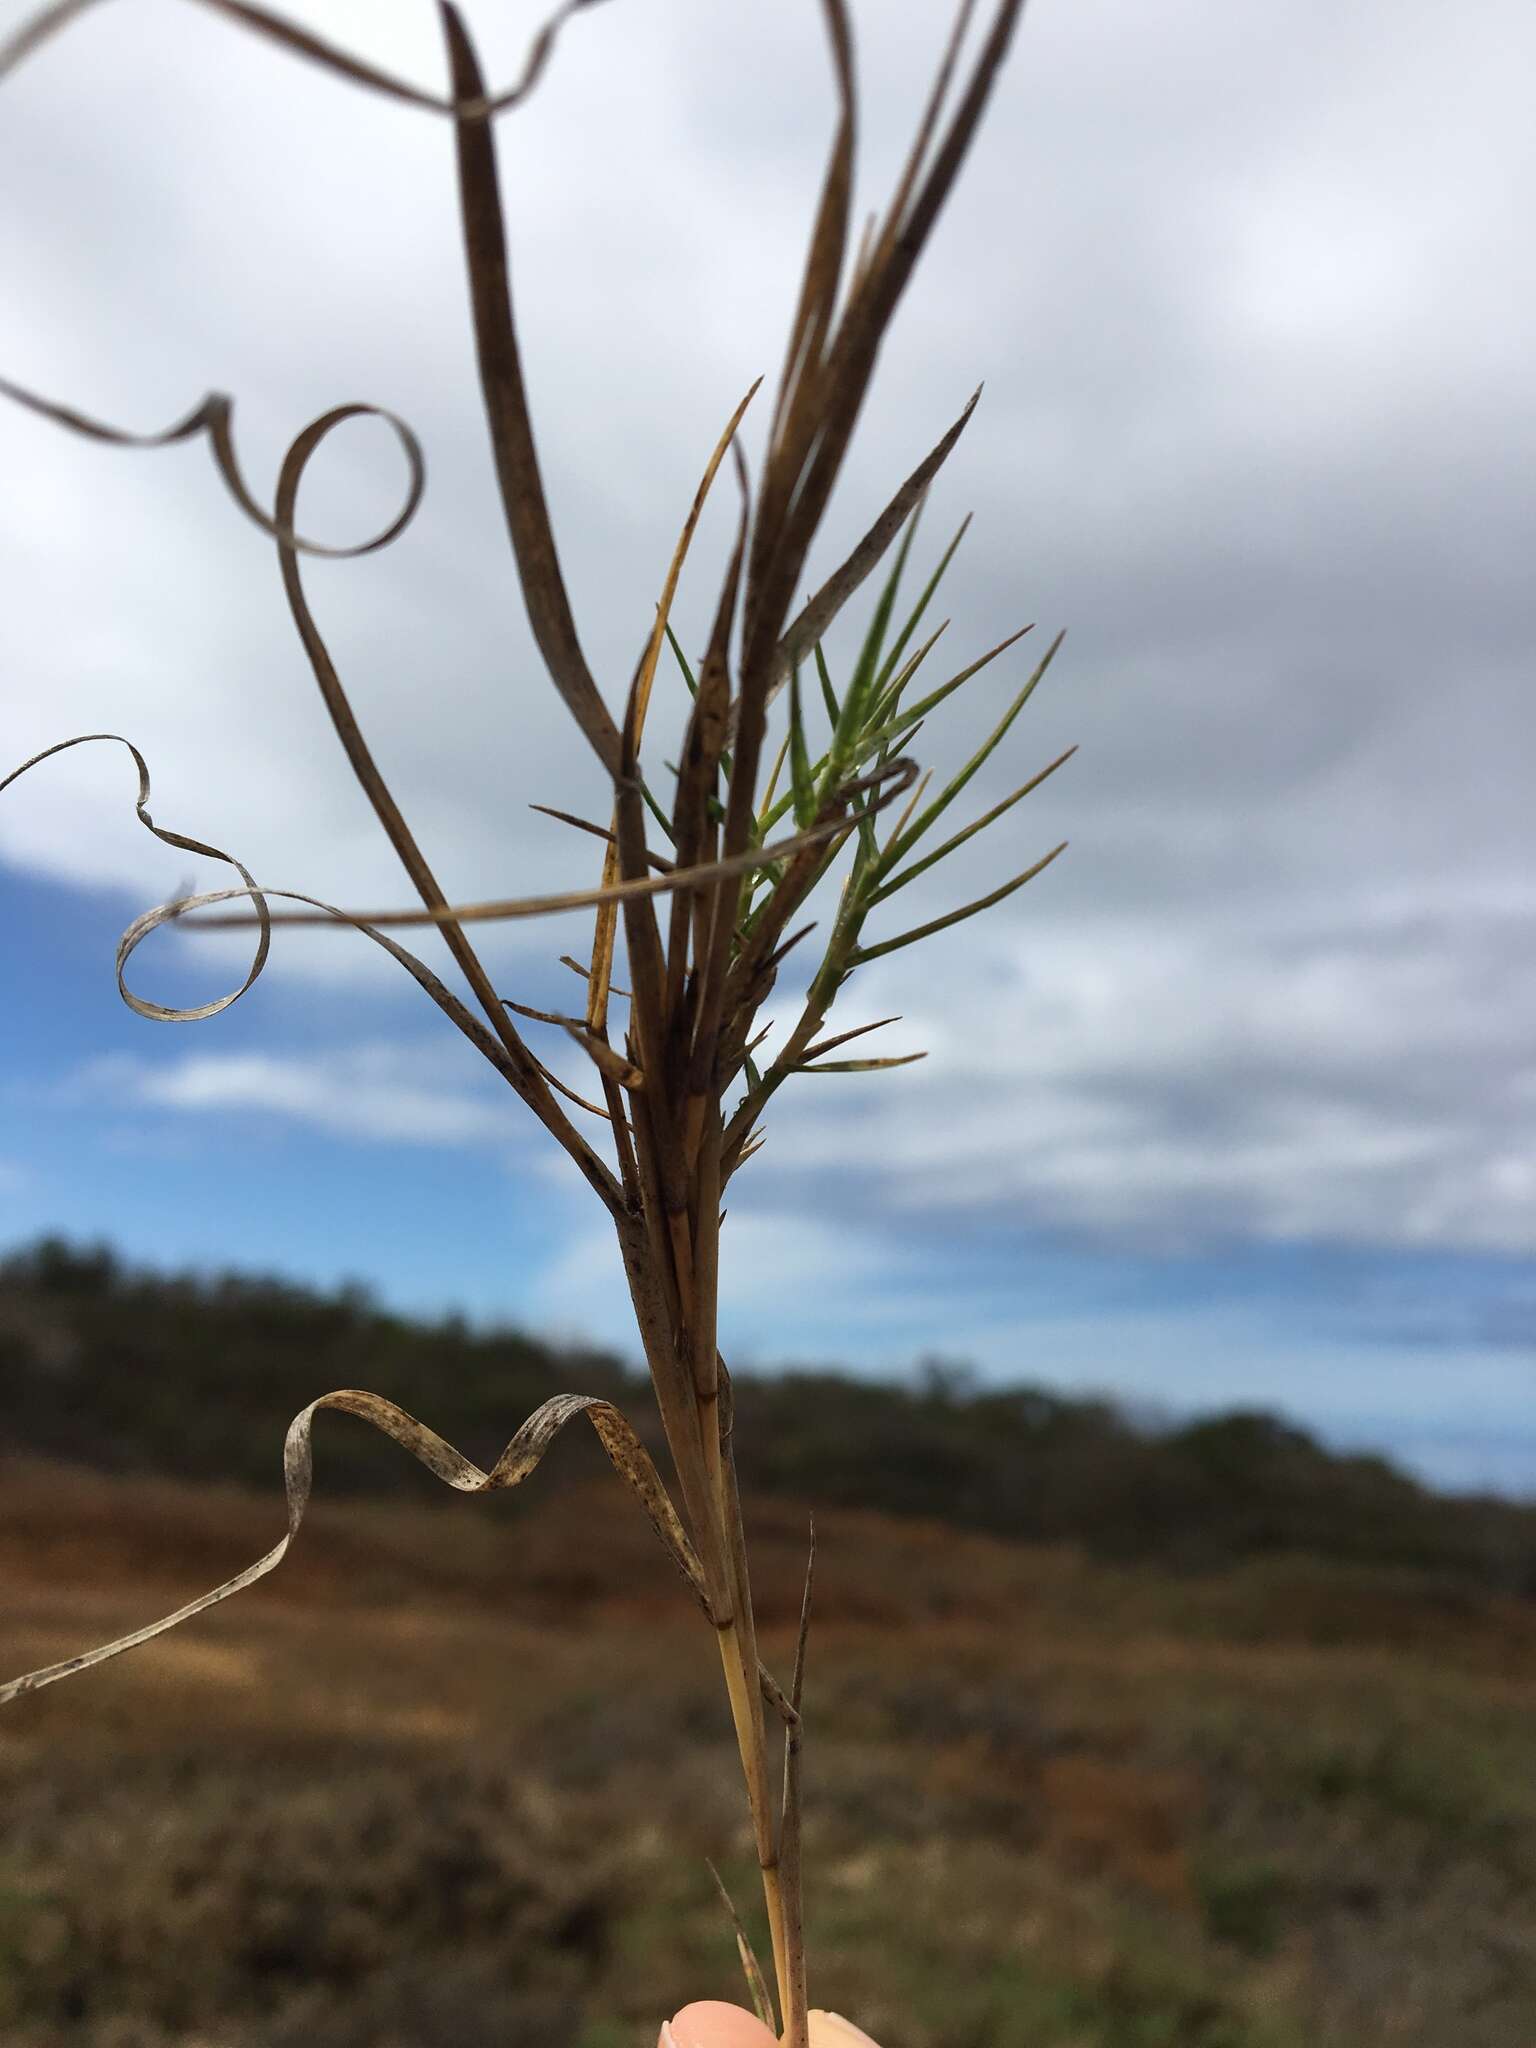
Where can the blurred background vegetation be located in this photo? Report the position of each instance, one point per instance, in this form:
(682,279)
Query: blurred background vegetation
(1121,1735)
(134,1371)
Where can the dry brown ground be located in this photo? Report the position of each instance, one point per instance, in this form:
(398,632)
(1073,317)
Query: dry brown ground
(451,1776)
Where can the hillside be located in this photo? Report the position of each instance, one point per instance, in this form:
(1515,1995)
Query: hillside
(450,1777)
(198,1377)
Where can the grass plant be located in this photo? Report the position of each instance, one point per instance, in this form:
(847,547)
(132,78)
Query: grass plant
(786,777)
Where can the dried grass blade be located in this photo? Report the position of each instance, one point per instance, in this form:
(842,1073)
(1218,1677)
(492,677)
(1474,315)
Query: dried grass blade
(776,957)
(506,407)
(213,417)
(905,1059)
(694,830)
(906,237)
(609,1063)
(824,254)
(586,974)
(817,616)
(608,1060)
(780,536)
(553,1080)
(938,93)
(556,1017)
(747,1697)
(289,35)
(802,1640)
(848,367)
(647,965)
(899,774)
(37,30)
(529,1081)
(790,1824)
(662,630)
(604,937)
(458,1013)
(626,1453)
(825,1045)
(639,707)
(655,860)
(751,1969)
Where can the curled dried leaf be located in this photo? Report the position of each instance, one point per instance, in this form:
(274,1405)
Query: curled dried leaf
(214,418)
(478,106)
(626,1453)
(159,1012)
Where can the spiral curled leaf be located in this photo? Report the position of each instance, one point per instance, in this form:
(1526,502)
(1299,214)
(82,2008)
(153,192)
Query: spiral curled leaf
(626,1453)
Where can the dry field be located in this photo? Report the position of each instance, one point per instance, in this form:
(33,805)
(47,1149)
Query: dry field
(450,1779)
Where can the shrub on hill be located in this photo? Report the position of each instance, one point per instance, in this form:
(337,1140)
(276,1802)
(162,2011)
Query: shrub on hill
(127,1370)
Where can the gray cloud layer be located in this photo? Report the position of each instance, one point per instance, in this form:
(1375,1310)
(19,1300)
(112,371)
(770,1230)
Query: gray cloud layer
(1254,302)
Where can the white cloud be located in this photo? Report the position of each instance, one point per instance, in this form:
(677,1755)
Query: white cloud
(382,1093)
(1252,298)
(1186,1087)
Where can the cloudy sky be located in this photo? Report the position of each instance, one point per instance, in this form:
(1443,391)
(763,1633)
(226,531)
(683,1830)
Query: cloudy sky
(1238,1102)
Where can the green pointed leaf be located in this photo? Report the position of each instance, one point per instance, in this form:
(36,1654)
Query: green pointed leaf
(803,788)
(828,694)
(682,662)
(939,924)
(869,846)
(860,692)
(915,617)
(903,725)
(902,822)
(888,702)
(980,825)
(656,810)
(773,782)
(952,789)
(936,697)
